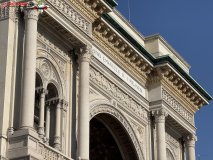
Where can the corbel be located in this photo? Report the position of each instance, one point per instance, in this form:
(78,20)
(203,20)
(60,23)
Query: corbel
(144,66)
(197,101)
(176,81)
(180,85)
(167,72)
(129,52)
(185,89)
(172,76)
(189,93)
(104,33)
(111,37)
(123,47)
(139,62)
(193,97)
(117,42)
(99,26)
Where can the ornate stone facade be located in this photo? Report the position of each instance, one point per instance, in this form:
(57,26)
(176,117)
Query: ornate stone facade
(54,86)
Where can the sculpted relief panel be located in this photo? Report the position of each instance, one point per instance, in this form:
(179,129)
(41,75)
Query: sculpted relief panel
(177,106)
(118,94)
(69,12)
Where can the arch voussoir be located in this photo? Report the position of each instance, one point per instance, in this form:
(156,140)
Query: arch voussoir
(106,108)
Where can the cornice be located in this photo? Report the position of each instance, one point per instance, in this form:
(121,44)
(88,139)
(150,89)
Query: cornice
(124,54)
(91,9)
(155,62)
(158,36)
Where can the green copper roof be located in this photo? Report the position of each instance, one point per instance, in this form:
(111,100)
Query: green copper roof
(112,3)
(156,61)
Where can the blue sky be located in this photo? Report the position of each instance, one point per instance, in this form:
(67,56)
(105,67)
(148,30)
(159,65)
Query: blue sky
(187,25)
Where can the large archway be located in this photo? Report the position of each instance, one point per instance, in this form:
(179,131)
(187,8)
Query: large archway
(109,139)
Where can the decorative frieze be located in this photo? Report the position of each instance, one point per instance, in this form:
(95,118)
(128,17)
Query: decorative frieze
(177,106)
(117,93)
(70,13)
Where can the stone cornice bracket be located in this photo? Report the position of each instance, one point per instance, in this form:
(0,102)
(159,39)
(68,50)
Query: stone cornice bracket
(84,54)
(190,140)
(160,115)
(31,13)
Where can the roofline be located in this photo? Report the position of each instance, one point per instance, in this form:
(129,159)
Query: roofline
(169,47)
(111,3)
(158,60)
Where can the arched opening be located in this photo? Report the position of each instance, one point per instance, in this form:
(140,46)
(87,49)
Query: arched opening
(109,140)
(52,93)
(38,84)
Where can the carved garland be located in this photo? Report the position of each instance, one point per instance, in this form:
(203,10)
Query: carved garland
(113,90)
(107,108)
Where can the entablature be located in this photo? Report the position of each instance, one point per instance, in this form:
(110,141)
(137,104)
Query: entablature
(92,9)
(109,35)
(175,84)
(174,117)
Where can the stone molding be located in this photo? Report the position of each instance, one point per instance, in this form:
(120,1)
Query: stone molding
(117,93)
(84,54)
(177,106)
(160,115)
(104,107)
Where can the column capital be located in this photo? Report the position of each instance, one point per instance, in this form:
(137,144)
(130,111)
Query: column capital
(84,54)
(190,140)
(41,90)
(160,115)
(31,13)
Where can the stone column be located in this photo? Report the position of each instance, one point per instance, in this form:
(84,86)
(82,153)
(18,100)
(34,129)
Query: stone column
(47,128)
(42,93)
(84,57)
(160,115)
(190,147)
(29,69)
(57,141)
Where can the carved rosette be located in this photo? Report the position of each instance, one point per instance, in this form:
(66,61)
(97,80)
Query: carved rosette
(160,115)
(84,54)
(190,140)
